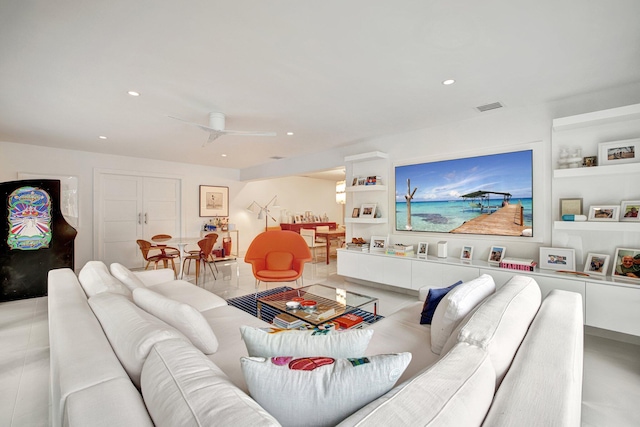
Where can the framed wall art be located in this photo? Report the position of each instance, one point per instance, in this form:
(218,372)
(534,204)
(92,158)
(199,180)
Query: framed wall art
(570,207)
(355,213)
(604,213)
(629,210)
(558,259)
(214,201)
(597,264)
(619,152)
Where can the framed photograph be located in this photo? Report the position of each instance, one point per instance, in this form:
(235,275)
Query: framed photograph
(355,213)
(423,248)
(604,213)
(590,161)
(361,180)
(629,210)
(570,207)
(355,181)
(466,253)
(378,244)
(618,152)
(496,254)
(214,201)
(558,259)
(368,210)
(626,263)
(597,264)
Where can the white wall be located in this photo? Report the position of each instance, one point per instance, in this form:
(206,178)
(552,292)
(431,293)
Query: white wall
(295,194)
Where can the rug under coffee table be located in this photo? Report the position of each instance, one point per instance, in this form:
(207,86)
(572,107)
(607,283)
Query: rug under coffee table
(332,303)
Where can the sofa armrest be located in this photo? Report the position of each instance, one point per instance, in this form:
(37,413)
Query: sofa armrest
(423,292)
(153,277)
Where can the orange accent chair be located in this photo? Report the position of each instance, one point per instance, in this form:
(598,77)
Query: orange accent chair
(277,256)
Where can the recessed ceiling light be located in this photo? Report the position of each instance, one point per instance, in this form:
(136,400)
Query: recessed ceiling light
(448,82)
(289,133)
(223,155)
(133,93)
(102,137)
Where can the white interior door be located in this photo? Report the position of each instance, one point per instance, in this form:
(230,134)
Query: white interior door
(131,208)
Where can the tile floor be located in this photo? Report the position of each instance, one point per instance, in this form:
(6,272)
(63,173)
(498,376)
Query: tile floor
(611,390)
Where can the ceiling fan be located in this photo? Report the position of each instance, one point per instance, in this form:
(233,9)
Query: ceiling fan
(216,128)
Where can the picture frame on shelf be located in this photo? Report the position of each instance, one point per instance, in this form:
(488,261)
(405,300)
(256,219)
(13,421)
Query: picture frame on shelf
(604,213)
(590,161)
(496,254)
(423,248)
(378,243)
(630,211)
(361,180)
(466,254)
(619,152)
(214,201)
(368,210)
(626,264)
(557,259)
(355,182)
(597,264)
(355,213)
(570,207)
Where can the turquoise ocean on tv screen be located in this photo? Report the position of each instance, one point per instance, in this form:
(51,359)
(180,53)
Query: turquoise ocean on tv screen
(444,216)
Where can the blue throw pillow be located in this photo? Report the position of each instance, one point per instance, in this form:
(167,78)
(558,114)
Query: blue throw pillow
(433,299)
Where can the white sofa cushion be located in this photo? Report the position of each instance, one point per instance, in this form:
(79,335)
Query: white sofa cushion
(549,361)
(95,278)
(131,331)
(455,306)
(181,387)
(283,342)
(188,293)
(501,322)
(456,391)
(320,391)
(181,316)
(126,276)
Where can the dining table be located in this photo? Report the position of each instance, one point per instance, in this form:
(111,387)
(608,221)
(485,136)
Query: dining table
(328,236)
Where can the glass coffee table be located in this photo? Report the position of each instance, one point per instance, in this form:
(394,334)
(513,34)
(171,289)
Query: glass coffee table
(331,303)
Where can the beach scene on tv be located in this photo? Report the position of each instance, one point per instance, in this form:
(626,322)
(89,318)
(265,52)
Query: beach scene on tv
(490,195)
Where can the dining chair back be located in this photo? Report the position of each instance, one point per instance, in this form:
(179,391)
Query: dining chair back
(309,236)
(203,255)
(156,256)
(277,256)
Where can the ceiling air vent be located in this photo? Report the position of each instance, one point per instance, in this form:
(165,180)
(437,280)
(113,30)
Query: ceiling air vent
(488,107)
(276,157)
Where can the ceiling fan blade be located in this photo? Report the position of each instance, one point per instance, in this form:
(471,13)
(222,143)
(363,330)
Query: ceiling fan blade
(248,133)
(213,135)
(203,127)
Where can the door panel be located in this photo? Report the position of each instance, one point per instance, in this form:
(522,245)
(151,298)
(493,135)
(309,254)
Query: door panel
(161,207)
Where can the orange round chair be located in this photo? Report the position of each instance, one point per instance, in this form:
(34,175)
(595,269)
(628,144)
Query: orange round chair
(277,256)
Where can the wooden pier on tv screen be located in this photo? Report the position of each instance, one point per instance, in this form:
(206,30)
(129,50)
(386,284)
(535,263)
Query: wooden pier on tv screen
(505,221)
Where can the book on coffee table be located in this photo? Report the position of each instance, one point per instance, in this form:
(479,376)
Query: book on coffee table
(349,320)
(286,321)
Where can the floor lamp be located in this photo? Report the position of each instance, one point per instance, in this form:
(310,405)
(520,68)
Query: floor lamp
(263,211)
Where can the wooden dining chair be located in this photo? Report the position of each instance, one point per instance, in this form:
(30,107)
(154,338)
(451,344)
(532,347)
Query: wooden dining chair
(309,236)
(169,250)
(206,249)
(156,256)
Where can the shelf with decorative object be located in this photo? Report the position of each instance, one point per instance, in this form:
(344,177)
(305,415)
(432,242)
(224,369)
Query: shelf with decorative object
(365,220)
(597,171)
(359,188)
(632,227)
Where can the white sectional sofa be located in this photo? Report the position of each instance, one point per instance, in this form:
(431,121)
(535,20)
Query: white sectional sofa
(506,359)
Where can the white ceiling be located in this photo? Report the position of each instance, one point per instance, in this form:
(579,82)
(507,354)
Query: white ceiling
(333,72)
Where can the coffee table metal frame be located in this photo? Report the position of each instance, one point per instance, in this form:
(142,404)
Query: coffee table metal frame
(341,301)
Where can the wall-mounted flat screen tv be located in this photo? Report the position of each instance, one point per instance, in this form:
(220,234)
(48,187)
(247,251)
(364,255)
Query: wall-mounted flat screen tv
(487,195)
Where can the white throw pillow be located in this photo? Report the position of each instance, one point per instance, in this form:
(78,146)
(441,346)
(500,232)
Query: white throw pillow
(131,330)
(320,391)
(95,278)
(181,316)
(270,342)
(455,306)
(126,276)
(182,387)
